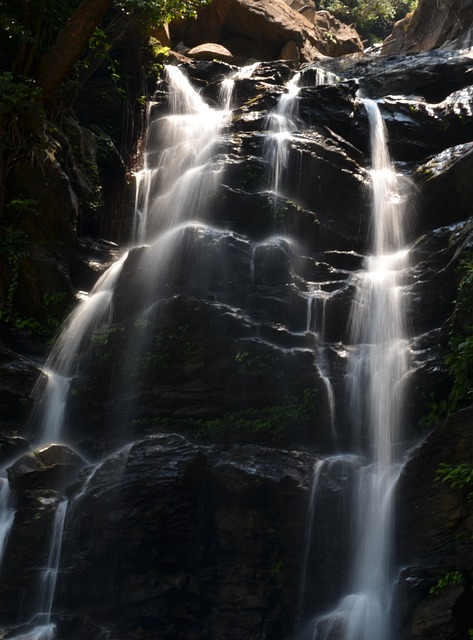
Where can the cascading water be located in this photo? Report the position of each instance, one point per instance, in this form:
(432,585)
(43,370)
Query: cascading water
(52,395)
(376,384)
(177,186)
(44,628)
(170,193)
(7,514)
(316,298)
(281,124)
(173,197)
(228,84)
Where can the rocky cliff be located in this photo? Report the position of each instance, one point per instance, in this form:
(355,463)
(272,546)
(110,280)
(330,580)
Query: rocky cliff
(447,24)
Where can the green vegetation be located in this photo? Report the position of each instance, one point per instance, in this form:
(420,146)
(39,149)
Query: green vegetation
(457,476)
(268,424)
(373,19)
(459,358)
(49,53)
(159,11)
(37,35)
(450,578)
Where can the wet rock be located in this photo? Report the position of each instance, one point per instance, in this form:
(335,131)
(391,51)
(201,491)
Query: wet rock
(26,554)
(432,76)
(445,184)
(435,260)
(434,532)
(18,376)
(209,374)
(407,120)
(216,542)
(52,467)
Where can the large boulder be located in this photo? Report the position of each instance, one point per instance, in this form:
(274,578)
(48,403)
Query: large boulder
(342,38)
(431,25)
(269,24)
(52,467)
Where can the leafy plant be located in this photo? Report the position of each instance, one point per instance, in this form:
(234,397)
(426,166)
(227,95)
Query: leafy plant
(457,475)
(20,110)
(153,12)
(373,19)
(450,578)
(459,359)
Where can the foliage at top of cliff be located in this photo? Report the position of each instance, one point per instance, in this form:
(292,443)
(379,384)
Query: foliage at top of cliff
(31,28)
(373,19)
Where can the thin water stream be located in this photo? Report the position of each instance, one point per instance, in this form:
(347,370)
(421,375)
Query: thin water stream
(7,515)
(377,368)
(41,626)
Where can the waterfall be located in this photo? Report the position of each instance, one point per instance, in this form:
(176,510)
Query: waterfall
(316,324)
(94,311)
(228,84)
(183,163)
(44,628)
(172,192)
(333,469)
(176,185)
(7,515)
(281,124)
(377,368)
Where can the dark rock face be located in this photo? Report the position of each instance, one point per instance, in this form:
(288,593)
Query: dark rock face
(203,536)
(187,542)
(435,526)
(53,467)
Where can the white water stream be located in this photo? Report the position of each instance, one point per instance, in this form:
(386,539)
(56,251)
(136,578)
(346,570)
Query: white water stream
(281,124)
(52,395)
(228,84)
(41,625)
(317,297)
(7,515)
(377,368)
